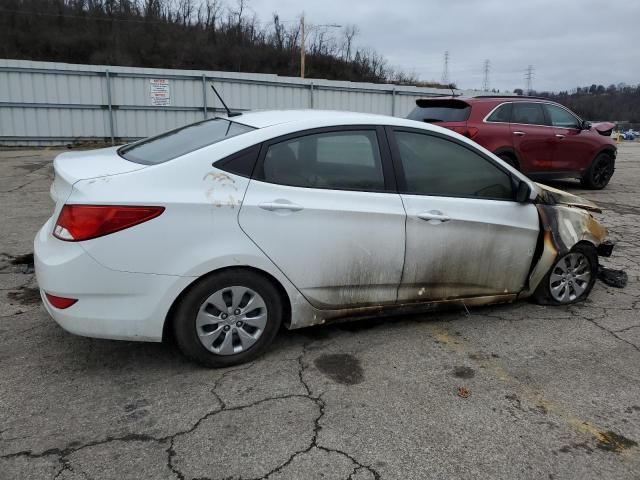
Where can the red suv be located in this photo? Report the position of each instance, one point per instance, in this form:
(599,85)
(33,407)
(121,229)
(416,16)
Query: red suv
(539,137)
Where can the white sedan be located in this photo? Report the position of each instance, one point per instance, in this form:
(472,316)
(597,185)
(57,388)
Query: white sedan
(220,232)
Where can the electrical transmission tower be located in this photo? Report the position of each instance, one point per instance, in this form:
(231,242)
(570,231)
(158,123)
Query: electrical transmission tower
(485,82)
(528,76)
(445,70)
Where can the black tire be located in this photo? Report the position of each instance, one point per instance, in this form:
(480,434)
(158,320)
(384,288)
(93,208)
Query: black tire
(599,172)
(510,160)
(184,319)
(543,295)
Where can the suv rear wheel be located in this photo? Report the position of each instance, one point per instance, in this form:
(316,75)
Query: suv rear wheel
(599,172)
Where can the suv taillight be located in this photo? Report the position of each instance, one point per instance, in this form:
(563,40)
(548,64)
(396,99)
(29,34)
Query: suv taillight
(470,132)
(83,222)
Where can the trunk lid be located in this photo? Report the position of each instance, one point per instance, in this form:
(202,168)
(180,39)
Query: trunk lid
(70,167)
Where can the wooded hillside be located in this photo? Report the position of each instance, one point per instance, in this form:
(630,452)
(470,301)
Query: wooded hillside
(596,102)
(191,34)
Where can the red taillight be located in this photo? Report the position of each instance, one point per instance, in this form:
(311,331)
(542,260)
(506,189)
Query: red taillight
(470,132)
(460,130)
(83,222)
(60,302)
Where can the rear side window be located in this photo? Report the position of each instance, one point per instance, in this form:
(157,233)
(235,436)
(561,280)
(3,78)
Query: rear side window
(333,160)
(528,113)
(172,144)
(440,111)
(501,114)
(436,166)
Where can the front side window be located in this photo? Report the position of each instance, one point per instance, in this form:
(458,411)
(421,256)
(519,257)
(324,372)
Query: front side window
(561,118)
(172,144)
(437,166)
(347,160)
(501,114)
(528,113)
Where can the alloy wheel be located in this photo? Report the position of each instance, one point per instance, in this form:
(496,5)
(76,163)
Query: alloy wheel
(570,277)
(231,320)
(602,172)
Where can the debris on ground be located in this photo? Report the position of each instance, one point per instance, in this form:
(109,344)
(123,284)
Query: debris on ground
(614,442)
(614,278)
(464,392)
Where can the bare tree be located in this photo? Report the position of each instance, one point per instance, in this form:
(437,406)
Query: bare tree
(278,32)
(185,11)
(349,32)
(241,6)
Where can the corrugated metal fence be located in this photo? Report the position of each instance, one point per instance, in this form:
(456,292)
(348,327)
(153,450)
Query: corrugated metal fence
(44,103)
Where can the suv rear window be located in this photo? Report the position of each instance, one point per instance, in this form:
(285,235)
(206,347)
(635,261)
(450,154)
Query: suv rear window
(440,111)
(172,144)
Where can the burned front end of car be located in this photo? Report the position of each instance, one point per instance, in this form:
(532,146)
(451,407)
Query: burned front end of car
(566,220)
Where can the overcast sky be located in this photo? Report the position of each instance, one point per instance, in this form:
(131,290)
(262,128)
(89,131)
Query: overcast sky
(569,42)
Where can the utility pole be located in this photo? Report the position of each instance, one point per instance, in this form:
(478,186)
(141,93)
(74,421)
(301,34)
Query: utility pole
(302,46)
(529,78)
(485,83)
(445,70)
(302,40)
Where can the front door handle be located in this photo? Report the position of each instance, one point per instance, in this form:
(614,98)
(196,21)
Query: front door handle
(433,215)
(280,205)
(520,134)
(560,136)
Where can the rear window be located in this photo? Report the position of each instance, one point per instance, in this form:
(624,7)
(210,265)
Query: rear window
(440,111)
(172,144)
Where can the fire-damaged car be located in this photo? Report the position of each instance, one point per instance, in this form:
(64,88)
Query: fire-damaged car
(220,232)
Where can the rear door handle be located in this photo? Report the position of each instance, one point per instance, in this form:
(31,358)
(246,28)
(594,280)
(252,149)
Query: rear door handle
(434,215)
(560,136)
(520,134)
(280,205)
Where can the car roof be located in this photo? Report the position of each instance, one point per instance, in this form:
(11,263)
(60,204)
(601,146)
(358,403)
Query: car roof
(268,118)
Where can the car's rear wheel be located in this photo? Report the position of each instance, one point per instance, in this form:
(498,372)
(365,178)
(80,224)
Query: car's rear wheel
(227,318)
(570,279)
(599,172)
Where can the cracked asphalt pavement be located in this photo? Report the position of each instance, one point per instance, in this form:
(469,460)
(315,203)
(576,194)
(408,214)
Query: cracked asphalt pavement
(511,391)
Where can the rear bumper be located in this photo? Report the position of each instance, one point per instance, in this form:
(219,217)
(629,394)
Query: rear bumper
(111,304)
(605,249)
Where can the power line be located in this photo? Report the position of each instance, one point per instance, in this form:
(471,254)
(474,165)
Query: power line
(485,82)
(445,70)
(528,76)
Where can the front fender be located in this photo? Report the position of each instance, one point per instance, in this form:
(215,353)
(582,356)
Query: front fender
(562,227)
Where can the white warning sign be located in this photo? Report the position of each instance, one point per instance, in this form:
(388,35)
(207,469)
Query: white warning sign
(159,92)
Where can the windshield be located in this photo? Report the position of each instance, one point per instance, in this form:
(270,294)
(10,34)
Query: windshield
(172,144)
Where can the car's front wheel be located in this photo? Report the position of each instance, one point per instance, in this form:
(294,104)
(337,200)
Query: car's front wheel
(570,279)
(227,318)
(599,172)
